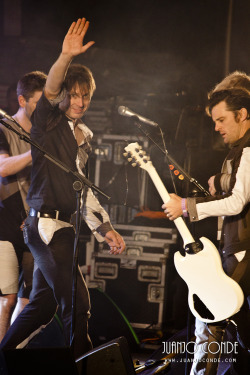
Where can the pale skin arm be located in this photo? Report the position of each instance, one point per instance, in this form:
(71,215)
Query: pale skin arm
(115,242)
(72,46)
(10,165)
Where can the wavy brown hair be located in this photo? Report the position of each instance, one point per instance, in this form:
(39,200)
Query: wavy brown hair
(235,99)
(81,75)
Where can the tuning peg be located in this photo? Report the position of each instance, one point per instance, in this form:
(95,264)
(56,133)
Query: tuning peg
(134,164)
(125,154)
(130,159)
(141,154)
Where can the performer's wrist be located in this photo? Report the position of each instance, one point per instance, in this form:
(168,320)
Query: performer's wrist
(104,228)
(184,207)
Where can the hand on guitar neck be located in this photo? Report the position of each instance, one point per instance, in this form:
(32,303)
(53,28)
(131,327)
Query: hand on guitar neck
(173,208)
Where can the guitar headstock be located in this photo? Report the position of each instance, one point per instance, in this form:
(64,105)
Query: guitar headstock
(137,156)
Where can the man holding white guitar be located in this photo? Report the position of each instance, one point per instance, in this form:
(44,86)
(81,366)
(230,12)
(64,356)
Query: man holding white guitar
(230,198)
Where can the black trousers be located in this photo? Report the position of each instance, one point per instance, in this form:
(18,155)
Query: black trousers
(52,286)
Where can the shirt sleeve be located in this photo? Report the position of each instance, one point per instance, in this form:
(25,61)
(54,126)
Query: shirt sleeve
(60,97)
(229,204)
(96,217)
(46,112)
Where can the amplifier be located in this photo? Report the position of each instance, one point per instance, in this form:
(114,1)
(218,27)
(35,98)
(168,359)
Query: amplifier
(111,172)
(136,279)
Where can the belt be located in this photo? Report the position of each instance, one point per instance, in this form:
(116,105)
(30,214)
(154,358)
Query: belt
(51,215)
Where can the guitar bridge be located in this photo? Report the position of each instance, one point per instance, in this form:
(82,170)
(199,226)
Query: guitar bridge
(194,247)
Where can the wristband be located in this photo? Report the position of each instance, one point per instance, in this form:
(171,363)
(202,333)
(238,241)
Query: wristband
(183,206)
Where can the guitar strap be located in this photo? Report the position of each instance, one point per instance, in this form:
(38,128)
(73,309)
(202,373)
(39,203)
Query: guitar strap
(240,269)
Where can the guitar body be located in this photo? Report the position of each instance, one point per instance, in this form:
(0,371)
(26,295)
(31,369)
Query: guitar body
(219,296)
(213,296)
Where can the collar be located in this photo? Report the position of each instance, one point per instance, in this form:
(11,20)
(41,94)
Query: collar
(84,128)
(245,136)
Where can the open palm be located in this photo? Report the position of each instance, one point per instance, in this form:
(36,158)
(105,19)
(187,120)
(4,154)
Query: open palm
(73,41)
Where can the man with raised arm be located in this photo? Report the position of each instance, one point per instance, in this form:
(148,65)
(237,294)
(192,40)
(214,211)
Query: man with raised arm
(58,128)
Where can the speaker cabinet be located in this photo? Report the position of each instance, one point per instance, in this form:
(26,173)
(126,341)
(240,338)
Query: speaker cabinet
(112,358)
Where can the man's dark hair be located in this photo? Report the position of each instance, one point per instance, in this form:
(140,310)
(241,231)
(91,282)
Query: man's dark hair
(235,99)
(81,75)
(30,83)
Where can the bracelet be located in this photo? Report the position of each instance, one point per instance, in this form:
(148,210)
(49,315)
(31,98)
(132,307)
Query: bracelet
(183,206)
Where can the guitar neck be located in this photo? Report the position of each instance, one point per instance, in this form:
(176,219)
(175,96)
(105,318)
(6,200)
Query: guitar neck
(179,222)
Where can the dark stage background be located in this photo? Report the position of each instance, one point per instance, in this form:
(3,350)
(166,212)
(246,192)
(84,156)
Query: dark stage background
(159,58)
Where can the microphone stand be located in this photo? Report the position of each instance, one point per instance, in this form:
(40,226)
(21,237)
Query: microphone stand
(77,186)
(165,152)
(56,161)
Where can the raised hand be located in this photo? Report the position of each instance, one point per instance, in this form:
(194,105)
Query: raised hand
(73,41)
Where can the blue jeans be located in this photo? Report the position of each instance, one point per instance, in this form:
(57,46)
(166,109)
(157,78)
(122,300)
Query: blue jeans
(52,286)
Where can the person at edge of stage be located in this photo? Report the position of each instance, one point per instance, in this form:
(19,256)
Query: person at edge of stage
(229,107)
(57,126)
(15,168)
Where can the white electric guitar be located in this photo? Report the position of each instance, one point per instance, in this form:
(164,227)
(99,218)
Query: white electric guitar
(213,296)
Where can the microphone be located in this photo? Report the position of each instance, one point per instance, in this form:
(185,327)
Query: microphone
(125,111)
(3,114)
